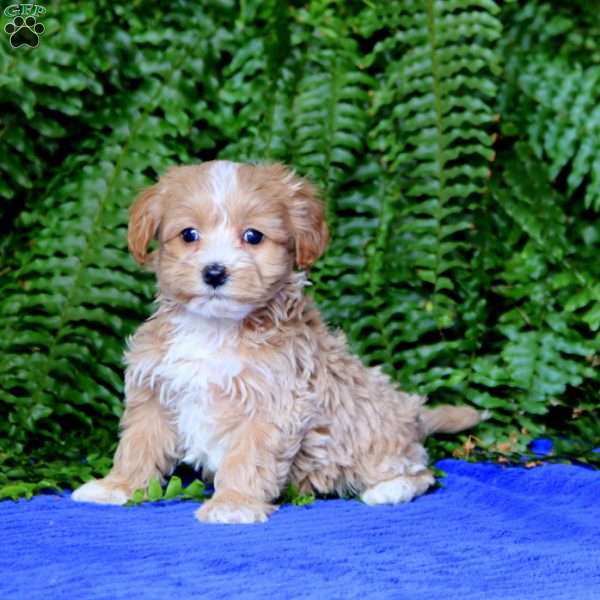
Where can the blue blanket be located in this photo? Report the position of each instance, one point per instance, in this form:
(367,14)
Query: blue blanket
(489,533)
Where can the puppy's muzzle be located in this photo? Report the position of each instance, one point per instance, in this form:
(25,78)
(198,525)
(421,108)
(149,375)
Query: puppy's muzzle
(215,275)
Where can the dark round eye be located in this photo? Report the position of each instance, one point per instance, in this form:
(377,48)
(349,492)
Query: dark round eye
(252,236)
(190,235)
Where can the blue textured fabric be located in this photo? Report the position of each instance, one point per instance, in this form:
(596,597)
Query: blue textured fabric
(490,533)
(541,446)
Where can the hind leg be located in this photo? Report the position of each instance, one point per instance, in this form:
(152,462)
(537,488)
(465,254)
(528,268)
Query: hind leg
(399,489)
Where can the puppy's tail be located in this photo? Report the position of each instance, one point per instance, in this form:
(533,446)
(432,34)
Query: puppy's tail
(449,419)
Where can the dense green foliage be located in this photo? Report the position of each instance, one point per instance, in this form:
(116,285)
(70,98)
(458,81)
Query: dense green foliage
(173,490)
(456,143)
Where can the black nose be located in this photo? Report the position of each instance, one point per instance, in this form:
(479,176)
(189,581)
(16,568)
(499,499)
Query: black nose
(214,275)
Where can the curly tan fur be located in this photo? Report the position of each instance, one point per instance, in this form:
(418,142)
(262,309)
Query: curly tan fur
(244,380)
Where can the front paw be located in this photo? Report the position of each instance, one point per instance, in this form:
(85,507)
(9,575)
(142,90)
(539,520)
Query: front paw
(101,491)
(234,510)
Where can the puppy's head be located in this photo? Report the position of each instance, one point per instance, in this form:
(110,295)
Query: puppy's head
(228,234)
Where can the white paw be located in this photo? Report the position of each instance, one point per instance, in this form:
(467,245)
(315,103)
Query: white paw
(230,513)
(99,492)
(394,491)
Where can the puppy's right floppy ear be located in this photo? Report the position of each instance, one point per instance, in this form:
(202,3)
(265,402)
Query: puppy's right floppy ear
(144,218)
(307,215)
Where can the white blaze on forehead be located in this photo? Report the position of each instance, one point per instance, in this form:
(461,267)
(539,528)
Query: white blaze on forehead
(220,247)
(223,180)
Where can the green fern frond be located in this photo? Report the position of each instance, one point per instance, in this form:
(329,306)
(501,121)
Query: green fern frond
(433,121)
(547,286)
(553,94)
(525,194)
(522,189)
(40,92)
(331,108)
(565,122)
(255,101)
(544,353)
(437,95)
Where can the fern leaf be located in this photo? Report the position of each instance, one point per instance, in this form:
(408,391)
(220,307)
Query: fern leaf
(431,112)
(439,110)
(553,94)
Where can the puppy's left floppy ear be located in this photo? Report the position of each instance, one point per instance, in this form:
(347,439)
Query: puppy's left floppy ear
(307,216)
(144,218)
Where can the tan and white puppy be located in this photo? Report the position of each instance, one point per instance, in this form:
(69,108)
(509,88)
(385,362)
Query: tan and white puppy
(237,374)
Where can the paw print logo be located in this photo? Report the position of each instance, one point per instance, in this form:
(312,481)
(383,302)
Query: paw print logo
(24,32)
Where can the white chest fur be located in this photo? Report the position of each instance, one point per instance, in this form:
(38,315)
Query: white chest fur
(201,353)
